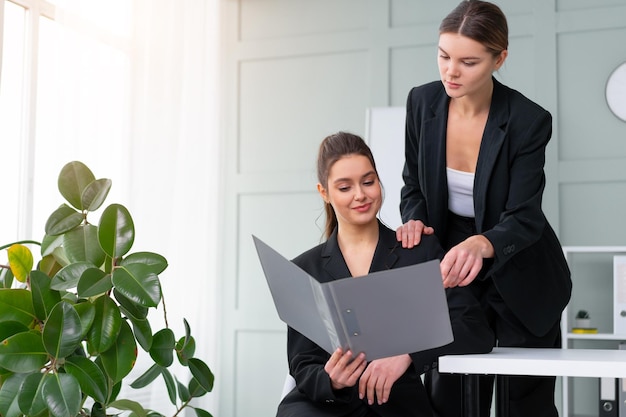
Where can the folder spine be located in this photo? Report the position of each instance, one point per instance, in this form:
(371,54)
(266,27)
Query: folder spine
(621,391)
(337,315)
(608,397)
(328,314)
(619,294)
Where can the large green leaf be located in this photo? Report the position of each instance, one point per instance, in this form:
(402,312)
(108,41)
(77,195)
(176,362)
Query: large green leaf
(44,299)
(130,405)
(93,282)
(62,332)
(50,243)
(195,389)
(6,278)
(21,261)
(106,325)
(170,384)
(147,377)
(119,360)
(162,349)
(201,373)
(68,277)
(87,313)
(183,391)
(185,349)
(30,398)
(95,193)
(62,395)
(89,375)
(81,245)
(116,231)
(138,284)
(155,262)
(141,329)
(63,220)
(23,352)
(131,308)
(16,305)
(49,265)
(9,328)
(9,391)
(73,179)
(202,413)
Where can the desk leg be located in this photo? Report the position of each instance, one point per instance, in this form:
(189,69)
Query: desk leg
(502,396)
(471,398)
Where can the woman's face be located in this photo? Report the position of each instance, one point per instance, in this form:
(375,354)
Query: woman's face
(465,65)
(353,190)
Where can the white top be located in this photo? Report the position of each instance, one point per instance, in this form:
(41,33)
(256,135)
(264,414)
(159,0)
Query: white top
(460,192)
(539,362)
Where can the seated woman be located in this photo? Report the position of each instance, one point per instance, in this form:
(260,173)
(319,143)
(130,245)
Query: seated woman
(357,243)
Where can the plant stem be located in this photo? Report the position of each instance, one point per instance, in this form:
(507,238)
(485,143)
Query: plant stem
(21,242)
(183,406)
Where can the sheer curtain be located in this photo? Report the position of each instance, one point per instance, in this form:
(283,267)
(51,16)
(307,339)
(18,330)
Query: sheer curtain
(175,160)
(130,89)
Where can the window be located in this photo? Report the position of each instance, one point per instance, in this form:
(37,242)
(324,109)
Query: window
(64,95)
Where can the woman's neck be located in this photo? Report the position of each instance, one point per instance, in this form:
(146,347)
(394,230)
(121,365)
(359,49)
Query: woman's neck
(358,244)
(474,105)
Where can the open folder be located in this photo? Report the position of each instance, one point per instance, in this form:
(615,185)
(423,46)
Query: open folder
(382,314)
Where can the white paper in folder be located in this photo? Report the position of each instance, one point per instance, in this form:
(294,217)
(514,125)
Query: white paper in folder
(619,294)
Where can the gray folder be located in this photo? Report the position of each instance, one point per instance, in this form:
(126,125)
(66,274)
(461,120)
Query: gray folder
(382,314)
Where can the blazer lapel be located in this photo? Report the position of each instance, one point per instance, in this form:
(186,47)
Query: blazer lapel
(434,162)
(384,255)
(333,260)
(493,138)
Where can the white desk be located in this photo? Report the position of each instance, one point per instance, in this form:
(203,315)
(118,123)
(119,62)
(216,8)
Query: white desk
(593,363)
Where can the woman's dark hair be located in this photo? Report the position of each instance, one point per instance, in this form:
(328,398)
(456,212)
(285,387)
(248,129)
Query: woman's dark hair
(332,149)
(481,21)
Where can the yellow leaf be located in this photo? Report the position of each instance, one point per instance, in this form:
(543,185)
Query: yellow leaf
(20,261)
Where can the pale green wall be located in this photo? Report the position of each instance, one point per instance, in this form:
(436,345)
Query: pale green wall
(297,70)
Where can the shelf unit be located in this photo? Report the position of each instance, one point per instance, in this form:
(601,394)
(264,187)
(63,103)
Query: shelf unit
(592,290)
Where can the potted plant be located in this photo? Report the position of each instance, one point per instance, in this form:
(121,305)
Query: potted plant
(71,323)
(582,319)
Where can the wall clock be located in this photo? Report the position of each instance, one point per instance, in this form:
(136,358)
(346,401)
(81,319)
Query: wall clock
(616,92)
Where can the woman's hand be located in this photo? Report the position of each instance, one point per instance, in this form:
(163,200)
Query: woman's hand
(410,233)
(379,377)
(463,262)
(344,370)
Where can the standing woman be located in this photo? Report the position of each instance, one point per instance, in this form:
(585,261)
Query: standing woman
(344,384)
(474,159)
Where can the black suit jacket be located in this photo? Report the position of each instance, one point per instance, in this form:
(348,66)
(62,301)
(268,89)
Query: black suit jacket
(529,269)
(306,359)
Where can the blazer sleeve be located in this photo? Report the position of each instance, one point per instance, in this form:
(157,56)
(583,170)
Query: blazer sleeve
(306,365)
(307,359)
(522,221)
(412,201)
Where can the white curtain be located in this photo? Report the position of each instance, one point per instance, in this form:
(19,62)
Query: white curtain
(175,160)
(138,103)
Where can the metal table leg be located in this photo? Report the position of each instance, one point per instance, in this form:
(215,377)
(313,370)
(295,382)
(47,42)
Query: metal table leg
(471,397)
(502,396)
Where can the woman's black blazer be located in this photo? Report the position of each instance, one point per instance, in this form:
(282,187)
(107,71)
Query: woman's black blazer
(529,268)
(306,359)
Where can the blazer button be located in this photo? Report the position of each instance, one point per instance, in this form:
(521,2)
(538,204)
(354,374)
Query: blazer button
(330,401)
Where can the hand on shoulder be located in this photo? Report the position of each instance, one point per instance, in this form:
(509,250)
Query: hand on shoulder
(410,233)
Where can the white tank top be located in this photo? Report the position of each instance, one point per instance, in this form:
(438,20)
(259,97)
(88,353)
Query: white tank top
(460,192)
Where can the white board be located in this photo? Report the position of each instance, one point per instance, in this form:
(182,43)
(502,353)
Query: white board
(384,132)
